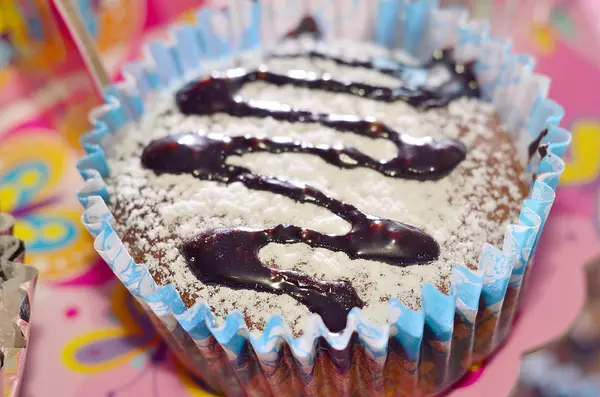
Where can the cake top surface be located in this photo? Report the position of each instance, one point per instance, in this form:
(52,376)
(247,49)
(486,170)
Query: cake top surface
(157,213)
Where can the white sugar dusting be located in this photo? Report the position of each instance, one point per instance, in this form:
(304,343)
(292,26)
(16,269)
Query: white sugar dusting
(163,211)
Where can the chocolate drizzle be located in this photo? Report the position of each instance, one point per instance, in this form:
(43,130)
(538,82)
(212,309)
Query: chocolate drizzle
(230,256)
(445,82)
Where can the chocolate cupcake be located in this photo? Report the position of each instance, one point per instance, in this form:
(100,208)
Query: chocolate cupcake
(321,218)
(265,202)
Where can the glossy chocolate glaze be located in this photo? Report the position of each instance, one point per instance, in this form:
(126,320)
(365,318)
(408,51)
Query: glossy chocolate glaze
(230,256)
(446,81)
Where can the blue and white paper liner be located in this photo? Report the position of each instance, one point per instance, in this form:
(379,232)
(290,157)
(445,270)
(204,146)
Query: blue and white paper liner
(507,81)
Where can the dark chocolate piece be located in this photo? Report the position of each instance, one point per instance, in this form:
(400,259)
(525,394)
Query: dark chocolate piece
(307,26)
(537,144)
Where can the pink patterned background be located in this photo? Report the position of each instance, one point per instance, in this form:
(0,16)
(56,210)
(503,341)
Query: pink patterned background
(88,336)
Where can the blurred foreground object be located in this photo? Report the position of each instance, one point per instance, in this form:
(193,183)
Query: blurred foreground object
(17,284)
(570,366)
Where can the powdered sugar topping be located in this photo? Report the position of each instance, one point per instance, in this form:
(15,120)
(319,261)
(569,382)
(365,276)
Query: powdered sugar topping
(159,212)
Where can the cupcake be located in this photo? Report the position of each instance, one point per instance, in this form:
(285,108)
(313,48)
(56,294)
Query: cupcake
(320,217)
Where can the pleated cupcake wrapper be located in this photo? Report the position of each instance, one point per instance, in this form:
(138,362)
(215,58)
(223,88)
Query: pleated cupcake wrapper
(419,352)
(12,358)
